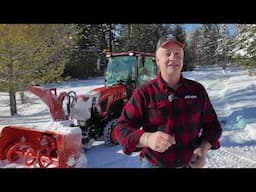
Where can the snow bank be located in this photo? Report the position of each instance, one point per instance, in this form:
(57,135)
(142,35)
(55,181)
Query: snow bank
(61,127)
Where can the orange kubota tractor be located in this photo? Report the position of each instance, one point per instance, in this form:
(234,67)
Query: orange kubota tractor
(94,113)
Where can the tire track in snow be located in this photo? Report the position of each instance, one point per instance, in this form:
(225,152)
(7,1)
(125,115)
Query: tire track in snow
(218,93)
(224,158)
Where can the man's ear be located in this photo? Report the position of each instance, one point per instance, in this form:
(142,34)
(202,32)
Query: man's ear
(157,61)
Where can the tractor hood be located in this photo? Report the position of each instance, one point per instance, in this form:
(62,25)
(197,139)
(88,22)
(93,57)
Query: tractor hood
(112,91)
(97,101)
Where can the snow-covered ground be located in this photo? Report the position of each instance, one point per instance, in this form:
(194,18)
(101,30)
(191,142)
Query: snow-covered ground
(232,92)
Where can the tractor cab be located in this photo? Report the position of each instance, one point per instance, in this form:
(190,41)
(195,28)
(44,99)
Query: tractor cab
(131,68)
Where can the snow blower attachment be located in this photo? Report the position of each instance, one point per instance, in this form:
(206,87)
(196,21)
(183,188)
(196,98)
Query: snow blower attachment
(94,113)
(40,148)
(49,97)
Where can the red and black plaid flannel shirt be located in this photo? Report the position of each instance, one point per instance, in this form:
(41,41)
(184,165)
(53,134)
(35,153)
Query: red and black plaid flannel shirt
(190,117)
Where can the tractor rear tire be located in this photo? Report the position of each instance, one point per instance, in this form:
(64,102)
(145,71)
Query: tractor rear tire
(108,132)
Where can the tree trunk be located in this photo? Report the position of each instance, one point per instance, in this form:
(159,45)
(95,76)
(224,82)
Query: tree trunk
(129,35)
(110,37)
(12,98)
(23,98)
(13,106)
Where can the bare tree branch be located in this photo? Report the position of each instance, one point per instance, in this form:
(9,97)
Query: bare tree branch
(4,73)
(27,71)
(2,80)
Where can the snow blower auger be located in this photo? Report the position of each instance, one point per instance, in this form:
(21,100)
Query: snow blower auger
(36,148)
(96,112)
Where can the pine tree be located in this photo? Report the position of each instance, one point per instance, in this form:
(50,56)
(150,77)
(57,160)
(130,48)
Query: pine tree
(140,37)
(195,47)
(179,33)
(223,46)
(93,40)
(245,43)
(32,53)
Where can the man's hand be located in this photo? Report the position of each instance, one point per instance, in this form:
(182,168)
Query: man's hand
(199,155)
(157,141)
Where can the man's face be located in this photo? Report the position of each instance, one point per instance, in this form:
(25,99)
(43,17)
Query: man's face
(170,60)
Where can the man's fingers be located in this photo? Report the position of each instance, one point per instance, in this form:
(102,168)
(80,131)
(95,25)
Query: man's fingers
(162,148)
(161,141)
(194,158)
(171,140)
(167,137)
(163,135)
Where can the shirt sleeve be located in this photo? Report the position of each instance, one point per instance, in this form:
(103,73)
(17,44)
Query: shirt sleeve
(211,128)
(127,128)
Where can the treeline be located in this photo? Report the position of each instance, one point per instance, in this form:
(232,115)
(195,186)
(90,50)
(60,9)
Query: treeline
(97,38)
(208,44)
(43,53)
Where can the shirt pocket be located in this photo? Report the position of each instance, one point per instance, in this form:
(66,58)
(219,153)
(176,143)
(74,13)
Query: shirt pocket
(156,115)
(194,109)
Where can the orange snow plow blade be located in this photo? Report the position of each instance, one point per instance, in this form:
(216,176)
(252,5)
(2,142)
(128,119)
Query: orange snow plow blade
(40,148)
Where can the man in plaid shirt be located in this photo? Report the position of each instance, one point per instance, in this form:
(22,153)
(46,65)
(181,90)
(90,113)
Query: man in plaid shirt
(170,118)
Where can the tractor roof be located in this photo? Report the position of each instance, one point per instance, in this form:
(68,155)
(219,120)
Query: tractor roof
(131,53)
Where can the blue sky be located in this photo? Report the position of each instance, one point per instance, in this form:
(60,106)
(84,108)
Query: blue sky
(189,27)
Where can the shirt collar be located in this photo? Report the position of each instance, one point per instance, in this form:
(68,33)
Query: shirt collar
(163,85)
